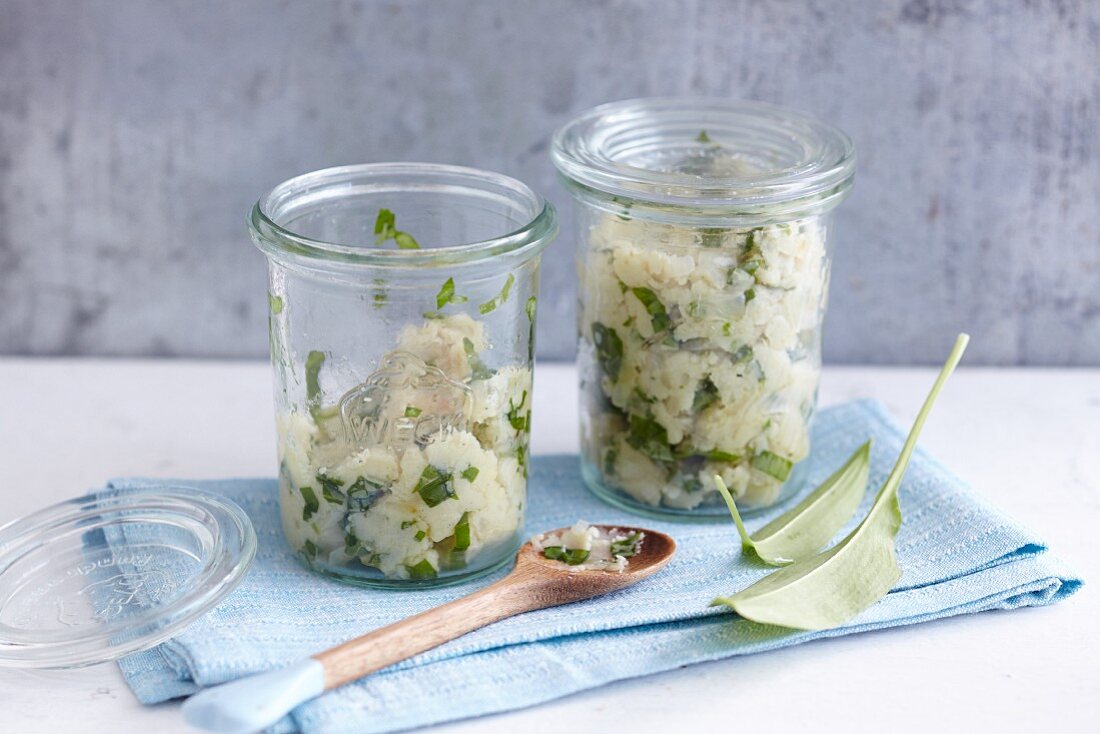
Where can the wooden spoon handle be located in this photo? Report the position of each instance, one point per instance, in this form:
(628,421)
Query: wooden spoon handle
(400,640)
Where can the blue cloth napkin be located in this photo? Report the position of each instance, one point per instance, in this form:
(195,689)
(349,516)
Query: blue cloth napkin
(958,554)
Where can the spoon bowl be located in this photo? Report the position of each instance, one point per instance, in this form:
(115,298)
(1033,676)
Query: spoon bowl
(570,583)
(258,701)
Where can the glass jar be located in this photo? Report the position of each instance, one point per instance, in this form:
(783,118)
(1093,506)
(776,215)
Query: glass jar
(402,321)
(703,274)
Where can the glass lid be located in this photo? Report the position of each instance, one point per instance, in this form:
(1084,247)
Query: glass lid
(98,577)
(714,155)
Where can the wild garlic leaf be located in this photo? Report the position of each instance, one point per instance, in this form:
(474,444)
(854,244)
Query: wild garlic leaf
(827,590)
(805,528)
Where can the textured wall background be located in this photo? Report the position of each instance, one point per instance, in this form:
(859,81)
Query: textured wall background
(135,135)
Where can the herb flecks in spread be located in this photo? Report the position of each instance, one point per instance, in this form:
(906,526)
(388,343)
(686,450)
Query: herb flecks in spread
(585,547)
(432,472)
(700,354)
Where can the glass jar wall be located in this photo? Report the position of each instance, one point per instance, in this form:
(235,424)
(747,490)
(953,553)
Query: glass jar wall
(703,268)
(402,311)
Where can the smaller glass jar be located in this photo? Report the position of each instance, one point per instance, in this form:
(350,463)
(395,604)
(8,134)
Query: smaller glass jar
(402,321)
(703,274)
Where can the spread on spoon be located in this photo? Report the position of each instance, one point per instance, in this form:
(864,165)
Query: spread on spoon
(585,547)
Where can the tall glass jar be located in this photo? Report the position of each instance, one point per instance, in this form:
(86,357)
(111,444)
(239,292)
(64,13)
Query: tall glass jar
(703,274)
(402,320)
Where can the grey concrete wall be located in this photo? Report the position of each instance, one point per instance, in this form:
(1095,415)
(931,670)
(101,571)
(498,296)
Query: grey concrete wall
(134,136)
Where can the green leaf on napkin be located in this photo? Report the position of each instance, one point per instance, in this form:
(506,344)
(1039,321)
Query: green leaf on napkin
(805,528)
(826,590)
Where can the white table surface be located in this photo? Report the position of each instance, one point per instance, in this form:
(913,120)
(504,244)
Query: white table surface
(1029,439)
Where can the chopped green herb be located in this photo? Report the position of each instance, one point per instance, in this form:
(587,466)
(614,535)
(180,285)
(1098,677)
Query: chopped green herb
(750,239)
(385,228)
(420,535)
(332,494)
(452,559)
(773,465)
(478,368)
(609,349)
(702,137)
(434,486)
(314,362)
(312,504)
(363,493)
(609,458)
(384,225)
(380,296)
(275,302)
(447,295)
(407,524)
(405,241)
(309,548)
(717,455)
(553,552)
(751,266)
(326,481)
(521,458)
(571,556)
(492,304)
(626,547)
(470,473)
(574,556)
(352,546)
(750,294)
(462,532)
(529,307)
(650,438)
(422,570)
(693,485)
(727,329)
(653,306)
(712,236)
(519,421)
(706,395)
(411,411)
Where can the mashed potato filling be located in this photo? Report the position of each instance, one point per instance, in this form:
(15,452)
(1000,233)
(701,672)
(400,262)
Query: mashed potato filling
(700,355)
(419,470)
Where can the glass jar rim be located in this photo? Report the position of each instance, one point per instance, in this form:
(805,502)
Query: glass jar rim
(802,163)
(277,240)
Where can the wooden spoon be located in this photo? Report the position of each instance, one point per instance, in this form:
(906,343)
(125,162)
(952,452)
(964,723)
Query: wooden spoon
(253,703)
